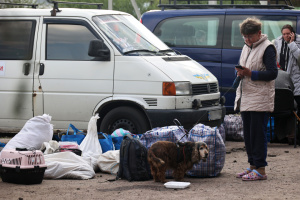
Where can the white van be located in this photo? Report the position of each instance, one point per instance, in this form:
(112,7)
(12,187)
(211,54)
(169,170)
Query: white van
(74,63)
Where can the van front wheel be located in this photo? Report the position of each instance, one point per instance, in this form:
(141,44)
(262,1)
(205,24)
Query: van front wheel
(127,118)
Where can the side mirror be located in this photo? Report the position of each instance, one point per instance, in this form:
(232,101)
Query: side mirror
(98,49)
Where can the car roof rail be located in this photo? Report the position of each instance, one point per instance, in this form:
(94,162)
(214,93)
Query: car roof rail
(20,4)
(56,9)
(208,4)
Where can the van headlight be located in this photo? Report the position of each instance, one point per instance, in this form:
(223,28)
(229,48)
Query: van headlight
(176,88)
(183,88)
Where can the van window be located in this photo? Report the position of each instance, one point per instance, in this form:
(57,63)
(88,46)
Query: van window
(68,42)
(16,39)
(192,31)
(271,25)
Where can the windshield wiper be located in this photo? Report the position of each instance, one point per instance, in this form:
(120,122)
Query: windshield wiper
(168,50)
(139,50)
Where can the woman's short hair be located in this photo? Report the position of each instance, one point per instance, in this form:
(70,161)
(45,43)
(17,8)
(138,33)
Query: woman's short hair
(287,26)
(250,26)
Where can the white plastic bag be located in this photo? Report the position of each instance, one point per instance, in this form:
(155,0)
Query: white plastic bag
(109,162)
(50,147)
(67,165)
(90,146)
(36,131)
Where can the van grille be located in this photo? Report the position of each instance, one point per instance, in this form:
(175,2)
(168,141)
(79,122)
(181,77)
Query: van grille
(151,101)
(204,88)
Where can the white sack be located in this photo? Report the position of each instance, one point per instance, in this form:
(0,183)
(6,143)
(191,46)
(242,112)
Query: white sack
(50,147)
(36,131)
(109,162)
(67,165)
(90,146)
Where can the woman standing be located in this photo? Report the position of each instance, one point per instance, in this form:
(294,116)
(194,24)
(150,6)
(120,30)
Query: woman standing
(255,95)
(288,51)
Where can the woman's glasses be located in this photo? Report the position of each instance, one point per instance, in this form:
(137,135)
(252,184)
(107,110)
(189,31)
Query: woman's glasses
(249,37)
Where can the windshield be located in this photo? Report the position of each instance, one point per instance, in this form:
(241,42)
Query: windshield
(130,36)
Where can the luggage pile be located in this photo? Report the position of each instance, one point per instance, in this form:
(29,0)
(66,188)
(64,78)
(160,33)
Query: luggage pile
(32,155)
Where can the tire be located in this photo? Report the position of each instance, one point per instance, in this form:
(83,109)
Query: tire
(127,118)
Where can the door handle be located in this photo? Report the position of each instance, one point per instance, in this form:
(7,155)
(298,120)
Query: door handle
(42,69)
(26,68)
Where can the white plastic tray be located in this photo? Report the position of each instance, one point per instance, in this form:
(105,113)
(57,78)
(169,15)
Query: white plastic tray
(177,185)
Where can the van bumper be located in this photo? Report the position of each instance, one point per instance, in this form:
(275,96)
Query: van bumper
(212,116)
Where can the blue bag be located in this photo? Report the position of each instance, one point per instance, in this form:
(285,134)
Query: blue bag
(117,137)
(78,135)
(2,144)
(117,142)
(270,128)
(105,142)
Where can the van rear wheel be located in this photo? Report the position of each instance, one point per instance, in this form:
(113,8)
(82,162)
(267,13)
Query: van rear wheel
(127,118)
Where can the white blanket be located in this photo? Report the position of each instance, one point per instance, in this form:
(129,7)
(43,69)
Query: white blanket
(68,165)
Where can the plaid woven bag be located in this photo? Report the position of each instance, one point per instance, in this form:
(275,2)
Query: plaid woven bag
(167,133)
(221,129)
(216,158)
(233,125)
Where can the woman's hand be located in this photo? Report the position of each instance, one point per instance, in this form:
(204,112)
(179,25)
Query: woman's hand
(243,72)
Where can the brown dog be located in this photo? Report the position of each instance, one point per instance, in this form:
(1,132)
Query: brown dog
(180,157)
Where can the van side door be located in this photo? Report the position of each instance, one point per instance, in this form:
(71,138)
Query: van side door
(70,81)
(18,38)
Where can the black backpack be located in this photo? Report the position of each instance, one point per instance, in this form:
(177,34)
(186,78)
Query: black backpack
(133,160)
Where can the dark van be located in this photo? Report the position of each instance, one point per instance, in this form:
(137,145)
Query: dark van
(210,34)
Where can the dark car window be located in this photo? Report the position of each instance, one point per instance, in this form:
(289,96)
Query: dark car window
(16,39)
(68,42)
(271,25)
(191,31)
